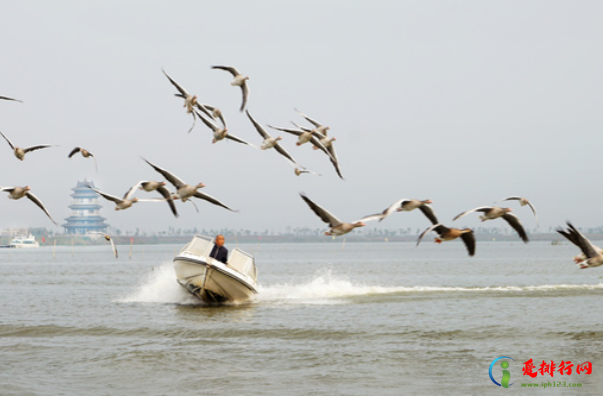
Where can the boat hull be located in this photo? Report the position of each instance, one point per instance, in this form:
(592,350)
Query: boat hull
(26,246)
(211,280)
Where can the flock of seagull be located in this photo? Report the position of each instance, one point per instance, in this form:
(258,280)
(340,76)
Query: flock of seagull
(317,135)
(445,233)
(591,256)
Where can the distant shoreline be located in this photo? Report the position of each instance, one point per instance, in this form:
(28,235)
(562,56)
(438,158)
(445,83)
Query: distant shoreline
(67,240)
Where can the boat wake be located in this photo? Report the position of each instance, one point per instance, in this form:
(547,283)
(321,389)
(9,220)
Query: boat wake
(328,289)
(160,286)
(324,288)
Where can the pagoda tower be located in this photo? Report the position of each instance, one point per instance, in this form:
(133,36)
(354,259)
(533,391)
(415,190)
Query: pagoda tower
(85,209)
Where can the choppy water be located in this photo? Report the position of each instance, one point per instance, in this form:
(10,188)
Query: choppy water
(359,319)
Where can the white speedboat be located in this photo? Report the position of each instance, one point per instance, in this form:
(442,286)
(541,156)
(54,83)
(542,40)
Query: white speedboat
(213,281)
(25,242)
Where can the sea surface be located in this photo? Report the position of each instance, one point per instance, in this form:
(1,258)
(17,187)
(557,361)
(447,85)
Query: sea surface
(330,319)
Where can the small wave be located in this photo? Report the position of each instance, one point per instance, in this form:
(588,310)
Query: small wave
(160,286)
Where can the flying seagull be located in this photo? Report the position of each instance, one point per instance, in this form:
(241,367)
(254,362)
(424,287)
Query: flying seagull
(592,256)
(20,192)
(320,131)
(449,234)
(186,191)
(494,212)
(300,170)
(406,205)
(239,81)
(307,135)
(523,202)
(128,199)
(20,152)
(321,142)
(107,238)
(85,154)
(269,141)
(337,227)
(190,101)
(150,186)
(221,133)
(318,127)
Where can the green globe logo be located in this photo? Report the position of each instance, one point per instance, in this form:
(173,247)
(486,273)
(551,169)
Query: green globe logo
(506,374)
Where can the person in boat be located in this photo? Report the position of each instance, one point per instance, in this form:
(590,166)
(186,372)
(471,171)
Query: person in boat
(219,252)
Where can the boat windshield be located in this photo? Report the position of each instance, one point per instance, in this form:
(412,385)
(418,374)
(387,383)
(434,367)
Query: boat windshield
(239,260)
(243,262)
(200,246)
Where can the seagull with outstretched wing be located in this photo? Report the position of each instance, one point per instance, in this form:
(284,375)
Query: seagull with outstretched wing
(214,113)
(523,202)
(320,142)
(449,234)
(20,152)
(406,205)
(186,191)
(107,238)
(221,133)
(85,153)
(494,212)
(127,200)
(20,192)
(239,81)
(190,101)
(307,135)
(592,256)
(337,227)
(318,127)
(150,186)
(269,141)
(303,135)
(120,203)
(300,170)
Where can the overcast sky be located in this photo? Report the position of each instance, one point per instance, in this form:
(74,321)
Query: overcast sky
(461,102)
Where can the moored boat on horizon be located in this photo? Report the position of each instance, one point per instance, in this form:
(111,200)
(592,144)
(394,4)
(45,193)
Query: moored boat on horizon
(25,242)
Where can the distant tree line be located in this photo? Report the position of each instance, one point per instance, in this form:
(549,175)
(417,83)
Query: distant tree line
(298,232)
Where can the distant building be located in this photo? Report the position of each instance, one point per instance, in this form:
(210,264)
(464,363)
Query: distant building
(85,209)
(13,232)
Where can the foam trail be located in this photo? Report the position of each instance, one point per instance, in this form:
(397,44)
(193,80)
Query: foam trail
(325,288)
(160,286)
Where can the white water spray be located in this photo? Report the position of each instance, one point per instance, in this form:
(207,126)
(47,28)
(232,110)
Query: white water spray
(160,286)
